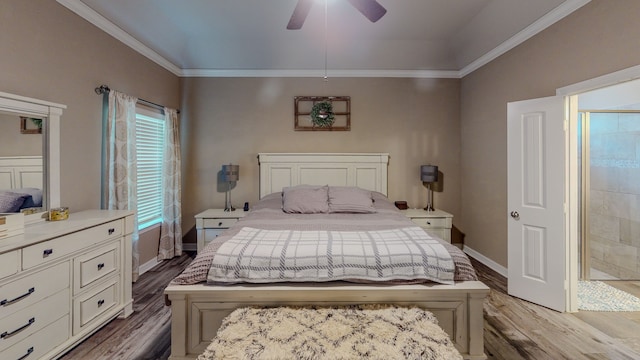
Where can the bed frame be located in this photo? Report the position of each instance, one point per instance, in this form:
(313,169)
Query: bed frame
(20,172)
(197,310)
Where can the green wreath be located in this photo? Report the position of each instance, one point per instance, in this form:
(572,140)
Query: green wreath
(322,114)
(36,122)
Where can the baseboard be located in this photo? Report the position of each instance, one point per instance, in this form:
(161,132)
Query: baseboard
(189,247)
(148,266)
(486,261)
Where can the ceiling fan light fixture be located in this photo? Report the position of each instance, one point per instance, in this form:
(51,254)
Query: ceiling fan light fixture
(371,9)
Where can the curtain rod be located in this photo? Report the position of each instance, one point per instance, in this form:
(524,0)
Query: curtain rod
(100,90)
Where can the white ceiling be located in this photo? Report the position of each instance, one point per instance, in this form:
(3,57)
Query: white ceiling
(421,38)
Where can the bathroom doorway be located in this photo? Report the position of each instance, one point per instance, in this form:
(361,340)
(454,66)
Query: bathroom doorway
(609,180)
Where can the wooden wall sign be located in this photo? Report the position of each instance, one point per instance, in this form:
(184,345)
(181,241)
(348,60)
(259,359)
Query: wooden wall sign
(322,113)
(30,125)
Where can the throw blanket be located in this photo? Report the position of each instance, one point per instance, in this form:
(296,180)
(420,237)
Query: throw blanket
(372,332)
(267,256)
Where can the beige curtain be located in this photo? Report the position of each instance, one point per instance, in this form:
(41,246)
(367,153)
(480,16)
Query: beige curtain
(121,161)
(171,229)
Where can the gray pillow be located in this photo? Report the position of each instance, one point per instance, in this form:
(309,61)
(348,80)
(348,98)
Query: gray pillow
(36,197)
(350,199)
(305,199)
(11,202)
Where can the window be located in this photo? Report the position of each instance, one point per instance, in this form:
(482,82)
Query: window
(149,153)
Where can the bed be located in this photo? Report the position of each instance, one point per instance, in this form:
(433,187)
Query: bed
(197,309)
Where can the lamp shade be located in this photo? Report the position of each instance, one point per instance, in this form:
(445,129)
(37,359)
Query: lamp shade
(230,172)
(429,173)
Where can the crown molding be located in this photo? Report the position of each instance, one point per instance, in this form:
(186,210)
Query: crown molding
(110,28)
(537,26)
(428,74)
(84,11)
(615,78)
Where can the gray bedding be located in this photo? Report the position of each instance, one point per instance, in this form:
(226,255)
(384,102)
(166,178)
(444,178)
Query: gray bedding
(268,215)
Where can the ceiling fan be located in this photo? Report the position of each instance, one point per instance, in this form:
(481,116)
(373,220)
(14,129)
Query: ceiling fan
(371,9)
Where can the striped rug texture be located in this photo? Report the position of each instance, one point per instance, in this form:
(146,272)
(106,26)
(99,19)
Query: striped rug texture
(349,332)
(598,296)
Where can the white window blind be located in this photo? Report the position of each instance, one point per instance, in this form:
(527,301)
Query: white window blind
(149,150)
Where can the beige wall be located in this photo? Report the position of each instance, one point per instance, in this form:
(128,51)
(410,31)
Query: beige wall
(52,54)
(600,38)
(233,119)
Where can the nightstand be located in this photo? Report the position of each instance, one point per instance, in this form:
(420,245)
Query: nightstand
(211,223)
(436,222)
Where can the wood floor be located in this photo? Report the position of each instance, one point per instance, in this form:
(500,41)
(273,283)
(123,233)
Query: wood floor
(514,329)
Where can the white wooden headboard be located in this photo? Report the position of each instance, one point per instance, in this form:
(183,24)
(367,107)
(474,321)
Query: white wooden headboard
(18,172)
(365,170)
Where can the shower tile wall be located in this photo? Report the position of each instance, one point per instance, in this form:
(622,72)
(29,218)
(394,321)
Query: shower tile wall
(615,194)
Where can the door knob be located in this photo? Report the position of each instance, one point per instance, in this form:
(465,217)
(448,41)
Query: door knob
(515,215)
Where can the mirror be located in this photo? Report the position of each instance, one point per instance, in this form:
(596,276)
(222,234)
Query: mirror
(29,155)
(22,174)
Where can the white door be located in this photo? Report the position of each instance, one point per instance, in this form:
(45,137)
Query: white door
(536,173)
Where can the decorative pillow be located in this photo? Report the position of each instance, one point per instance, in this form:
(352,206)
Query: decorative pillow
(305,199)
(11,202)
(350,199)
(35,200)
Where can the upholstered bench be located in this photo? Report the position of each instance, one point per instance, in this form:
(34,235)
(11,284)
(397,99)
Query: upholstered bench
(350,332)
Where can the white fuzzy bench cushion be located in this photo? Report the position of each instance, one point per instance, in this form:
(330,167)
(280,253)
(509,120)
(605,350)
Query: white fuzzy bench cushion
(347,332)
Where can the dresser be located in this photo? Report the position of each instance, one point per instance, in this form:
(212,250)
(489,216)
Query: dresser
(61,281)
(211,223)
(436,222)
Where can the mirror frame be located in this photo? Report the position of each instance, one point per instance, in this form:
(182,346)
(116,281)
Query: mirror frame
(21,106)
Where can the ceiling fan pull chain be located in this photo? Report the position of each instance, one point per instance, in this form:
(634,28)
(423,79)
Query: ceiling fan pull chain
(326,41)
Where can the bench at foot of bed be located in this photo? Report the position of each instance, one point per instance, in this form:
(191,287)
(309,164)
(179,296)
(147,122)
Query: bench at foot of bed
(198,310)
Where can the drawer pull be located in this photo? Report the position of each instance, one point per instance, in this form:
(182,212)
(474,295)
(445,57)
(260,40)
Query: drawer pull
(29,351)
(47,252)
(111,231)
(220,223)
(7,334)
(100,266)
(100,302)
(428,222)
(6,302)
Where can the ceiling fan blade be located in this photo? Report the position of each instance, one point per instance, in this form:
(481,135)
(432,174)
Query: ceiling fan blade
(299,14)
(371,9)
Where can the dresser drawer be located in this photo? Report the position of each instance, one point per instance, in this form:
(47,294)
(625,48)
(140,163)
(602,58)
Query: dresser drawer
(90,306)
(9,263)
(434,223)
(44,252)
(41,342)
(220,223)
(28,290)
(96,265)
(27,321)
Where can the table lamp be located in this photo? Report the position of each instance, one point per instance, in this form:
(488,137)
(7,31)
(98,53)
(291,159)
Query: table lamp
(429,175)
(230,173)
